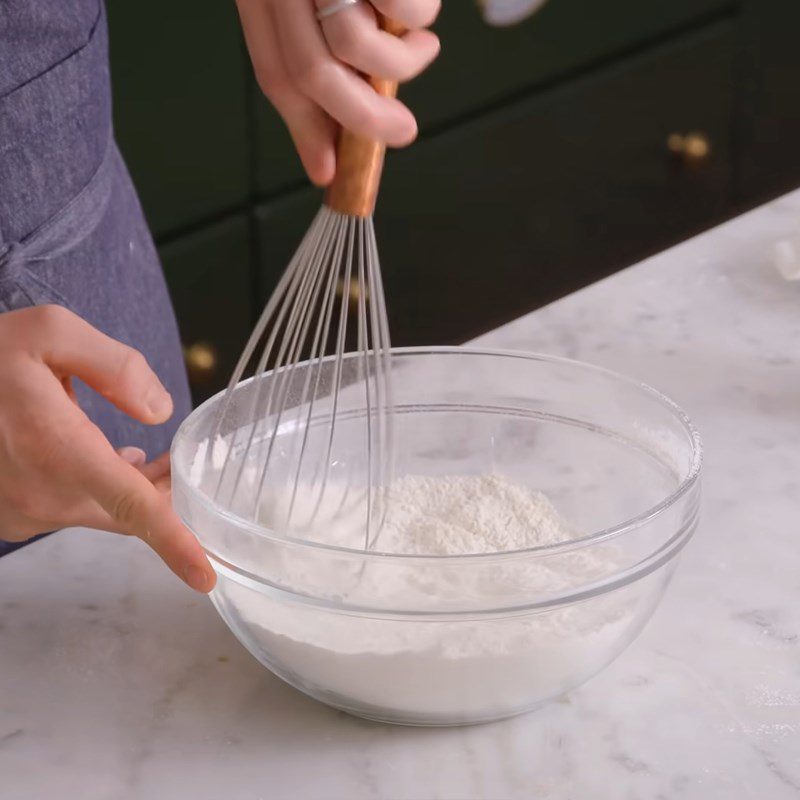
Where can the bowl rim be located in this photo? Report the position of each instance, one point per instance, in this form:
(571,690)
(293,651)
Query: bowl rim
(621,528)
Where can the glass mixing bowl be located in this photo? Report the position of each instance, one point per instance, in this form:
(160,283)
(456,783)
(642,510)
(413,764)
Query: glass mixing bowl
(441,640)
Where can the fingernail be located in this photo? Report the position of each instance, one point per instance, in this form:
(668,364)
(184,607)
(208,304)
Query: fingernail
(159,403)
(135,456)
(196,577)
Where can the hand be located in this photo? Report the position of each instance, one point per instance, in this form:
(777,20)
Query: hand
(57,469)
(309,70)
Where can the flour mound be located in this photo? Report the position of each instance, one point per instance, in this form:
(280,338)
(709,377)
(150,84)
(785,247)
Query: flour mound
(425,515)
(467,514)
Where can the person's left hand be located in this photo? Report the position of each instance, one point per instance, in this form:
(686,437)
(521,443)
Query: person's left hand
(309,69)
(57,468)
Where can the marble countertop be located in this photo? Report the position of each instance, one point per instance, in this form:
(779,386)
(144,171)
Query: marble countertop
(116,683)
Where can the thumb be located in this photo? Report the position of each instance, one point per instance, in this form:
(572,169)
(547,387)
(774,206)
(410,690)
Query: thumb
(137,507)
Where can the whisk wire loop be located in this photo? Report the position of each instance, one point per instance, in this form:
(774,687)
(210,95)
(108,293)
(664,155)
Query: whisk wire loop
(276,443)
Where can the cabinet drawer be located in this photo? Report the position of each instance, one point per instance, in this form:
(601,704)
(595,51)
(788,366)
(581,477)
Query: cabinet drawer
(484,223)
(180,106)
(768,125)
(210,280)
(482,65)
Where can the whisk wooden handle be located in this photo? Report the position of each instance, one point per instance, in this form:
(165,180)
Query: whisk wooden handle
(359,161)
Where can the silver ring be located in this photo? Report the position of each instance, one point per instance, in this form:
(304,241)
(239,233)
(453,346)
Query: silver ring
(335,8)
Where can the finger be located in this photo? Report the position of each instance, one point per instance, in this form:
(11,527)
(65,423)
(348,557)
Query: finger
(356,39)
(311,129)
(411,13)
(70,346)
(156,469)
(341,92)
(164,485)
(69,388)
(134,456)
(313,133)
(90,514)
(136,506)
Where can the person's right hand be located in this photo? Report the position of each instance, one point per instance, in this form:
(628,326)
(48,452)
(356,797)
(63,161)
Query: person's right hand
(311,70)
(57,469)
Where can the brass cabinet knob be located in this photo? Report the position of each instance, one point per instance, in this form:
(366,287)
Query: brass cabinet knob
(691,148)
(354,291)
(201,361)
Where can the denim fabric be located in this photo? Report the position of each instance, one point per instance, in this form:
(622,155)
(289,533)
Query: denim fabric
(72,231)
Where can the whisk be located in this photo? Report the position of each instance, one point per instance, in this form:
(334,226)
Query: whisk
(281,442)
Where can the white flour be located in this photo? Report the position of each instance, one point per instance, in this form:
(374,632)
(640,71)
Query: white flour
(434,516)
(467,514)
(447,669)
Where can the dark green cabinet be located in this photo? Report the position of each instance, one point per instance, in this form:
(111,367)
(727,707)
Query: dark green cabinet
(481,66)
(768,119)
(180,97)
(510,211)
(209,276)
(551,154)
